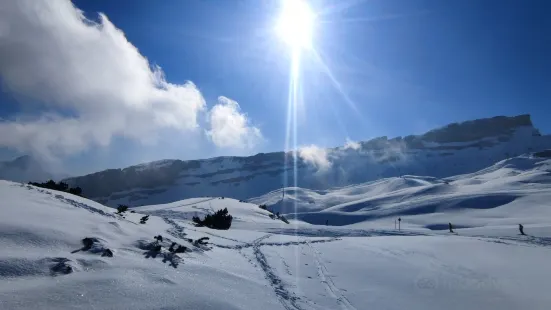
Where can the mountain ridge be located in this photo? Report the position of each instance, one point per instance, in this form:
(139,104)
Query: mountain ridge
(453,149)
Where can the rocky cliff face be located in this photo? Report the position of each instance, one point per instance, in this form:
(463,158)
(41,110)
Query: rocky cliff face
(453,149)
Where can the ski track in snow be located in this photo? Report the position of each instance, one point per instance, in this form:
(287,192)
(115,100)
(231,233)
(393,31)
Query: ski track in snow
(288,299)
(72,202)
(214,235)
(193,203)
(328,283)
(519,241)
(253,244)
(176,230)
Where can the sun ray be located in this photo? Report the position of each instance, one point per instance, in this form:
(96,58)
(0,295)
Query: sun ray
(335,82)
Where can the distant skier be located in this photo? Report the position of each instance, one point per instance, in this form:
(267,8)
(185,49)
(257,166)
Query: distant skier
(521,228)
(450,226)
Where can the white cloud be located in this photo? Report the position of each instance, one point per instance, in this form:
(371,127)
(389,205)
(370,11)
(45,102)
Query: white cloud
(351,145)
(88,82)
(230,128)
(316,156)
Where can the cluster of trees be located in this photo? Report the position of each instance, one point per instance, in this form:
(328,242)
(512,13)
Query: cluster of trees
(61,186)
(221,219)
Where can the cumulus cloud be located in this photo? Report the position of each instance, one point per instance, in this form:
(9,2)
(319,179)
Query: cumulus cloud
(315,156)
(353,145)
(229,128)
(85,81)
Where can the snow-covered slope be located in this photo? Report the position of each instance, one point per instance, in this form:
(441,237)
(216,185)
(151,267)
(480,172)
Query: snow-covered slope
(260,263)
(492,196)
(451,150)
(41,266)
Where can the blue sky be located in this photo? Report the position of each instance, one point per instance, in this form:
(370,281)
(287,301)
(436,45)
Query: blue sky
(406,65)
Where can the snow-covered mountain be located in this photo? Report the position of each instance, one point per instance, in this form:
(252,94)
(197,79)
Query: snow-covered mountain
(263,263)
(498,195)
(457,148)
(24,169)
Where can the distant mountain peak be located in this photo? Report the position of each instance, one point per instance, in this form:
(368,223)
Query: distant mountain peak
(478,129)
(24,169)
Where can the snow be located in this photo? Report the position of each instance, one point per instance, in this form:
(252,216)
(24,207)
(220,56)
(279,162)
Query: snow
(247,177)
(509,191)
(358,262)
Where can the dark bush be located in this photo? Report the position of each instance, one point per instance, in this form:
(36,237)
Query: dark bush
(61,186)
(88,243)
(171,249)
(263,207)
(202,241)
(144,219)
(121,209)
(180,249)
(75,191)
(221,219)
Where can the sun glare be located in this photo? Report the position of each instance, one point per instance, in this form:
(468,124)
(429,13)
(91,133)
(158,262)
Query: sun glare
(295,24)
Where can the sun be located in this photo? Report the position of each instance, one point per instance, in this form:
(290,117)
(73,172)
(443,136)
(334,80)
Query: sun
(296,24)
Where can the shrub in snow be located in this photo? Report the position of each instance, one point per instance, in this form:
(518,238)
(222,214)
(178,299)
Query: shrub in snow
(221,219)
(180,249)
(158,238)
(121,209)
(61,266)
(144,219)
(88,243)
(61,186)
(201,241)
(263,207)
(171,249)
(107,253)
(75,191)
